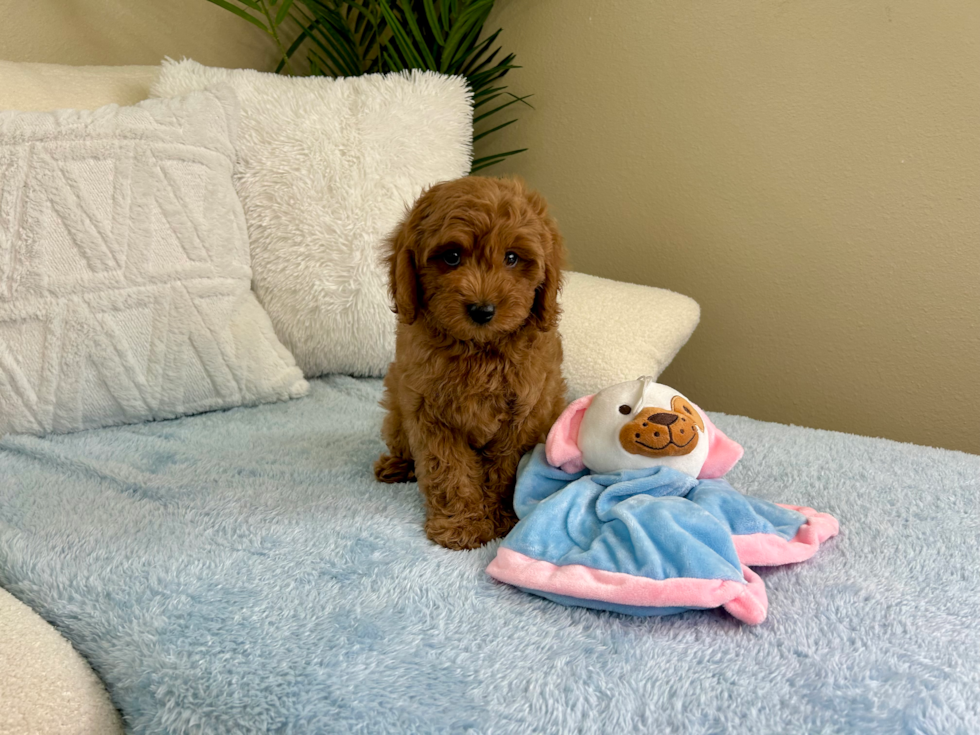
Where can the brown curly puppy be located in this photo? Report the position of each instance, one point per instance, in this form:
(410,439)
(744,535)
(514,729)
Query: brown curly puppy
(475,271)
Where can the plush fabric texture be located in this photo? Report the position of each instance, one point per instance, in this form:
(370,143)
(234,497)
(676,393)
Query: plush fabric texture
(124,273)
(329,167)
(588,433)
(582,586)
(633,425)
(45,87)
(650,541)
(243,572)
(600,336)
(45,685)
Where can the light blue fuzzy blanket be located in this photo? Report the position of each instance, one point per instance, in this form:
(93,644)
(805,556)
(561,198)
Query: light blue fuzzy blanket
(242,571)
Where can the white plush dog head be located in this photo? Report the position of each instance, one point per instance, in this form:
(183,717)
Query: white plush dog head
(638,425)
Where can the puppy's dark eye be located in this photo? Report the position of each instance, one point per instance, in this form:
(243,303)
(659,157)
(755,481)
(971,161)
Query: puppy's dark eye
(624,409)
(510,260)
(452,258)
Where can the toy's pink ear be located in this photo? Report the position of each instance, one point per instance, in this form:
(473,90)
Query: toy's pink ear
(561,449)
(723,452)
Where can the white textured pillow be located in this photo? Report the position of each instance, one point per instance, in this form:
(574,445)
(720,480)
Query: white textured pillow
(613,332)
(43,87)
(124,271)
(328,168)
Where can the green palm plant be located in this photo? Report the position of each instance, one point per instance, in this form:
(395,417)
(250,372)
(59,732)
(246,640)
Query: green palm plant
(354,37)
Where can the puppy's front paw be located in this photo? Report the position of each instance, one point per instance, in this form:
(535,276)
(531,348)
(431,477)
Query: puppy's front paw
(457,534)
(394,469)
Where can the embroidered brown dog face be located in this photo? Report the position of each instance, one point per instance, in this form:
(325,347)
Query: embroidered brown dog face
(658,432)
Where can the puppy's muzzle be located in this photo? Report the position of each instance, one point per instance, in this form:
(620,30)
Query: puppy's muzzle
(481,313)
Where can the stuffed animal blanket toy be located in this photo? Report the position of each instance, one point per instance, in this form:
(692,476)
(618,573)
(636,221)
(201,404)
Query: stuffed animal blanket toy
(625,509)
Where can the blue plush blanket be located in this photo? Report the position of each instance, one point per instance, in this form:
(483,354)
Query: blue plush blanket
(242,572)
(652,541)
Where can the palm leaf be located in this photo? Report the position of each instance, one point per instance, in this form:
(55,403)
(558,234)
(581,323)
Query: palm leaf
(240,13)
(475,64)
(434,22)
(485,133)
(481,163)
(334,64)
(464,24)
(413,25)
(332,31)
(503,106)
(458,60)
(481,97)
(481,48)
(294,47)
(402,41)
(353,37)
(489,76)
(283,11)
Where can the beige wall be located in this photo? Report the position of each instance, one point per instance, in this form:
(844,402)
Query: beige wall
(114,32)
(808,171)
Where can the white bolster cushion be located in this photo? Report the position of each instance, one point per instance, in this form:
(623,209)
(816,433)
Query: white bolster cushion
(46,87)
(45,685)
(613,331)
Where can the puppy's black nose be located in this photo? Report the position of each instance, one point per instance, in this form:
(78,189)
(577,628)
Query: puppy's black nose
(664,419)
(480,313)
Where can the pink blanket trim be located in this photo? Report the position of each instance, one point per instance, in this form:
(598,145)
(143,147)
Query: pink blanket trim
(746,600)
(752,606)
(766,549)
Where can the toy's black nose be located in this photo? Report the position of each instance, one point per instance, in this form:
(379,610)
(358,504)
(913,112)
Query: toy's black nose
(480,313)
(664,419)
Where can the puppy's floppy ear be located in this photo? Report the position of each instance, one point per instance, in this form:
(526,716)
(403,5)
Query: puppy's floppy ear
(546,310)
(403,281)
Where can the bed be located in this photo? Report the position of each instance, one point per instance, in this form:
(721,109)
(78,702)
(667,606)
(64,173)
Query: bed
(241,571)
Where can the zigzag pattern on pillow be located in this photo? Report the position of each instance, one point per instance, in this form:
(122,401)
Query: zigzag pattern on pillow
(124,276)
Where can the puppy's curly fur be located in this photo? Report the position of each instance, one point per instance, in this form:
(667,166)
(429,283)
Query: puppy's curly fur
(467,396)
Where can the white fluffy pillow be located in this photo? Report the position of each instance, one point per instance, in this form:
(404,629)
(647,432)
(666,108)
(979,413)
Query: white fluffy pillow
(43,87)
(124,269)
(328,167)
(613,332)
